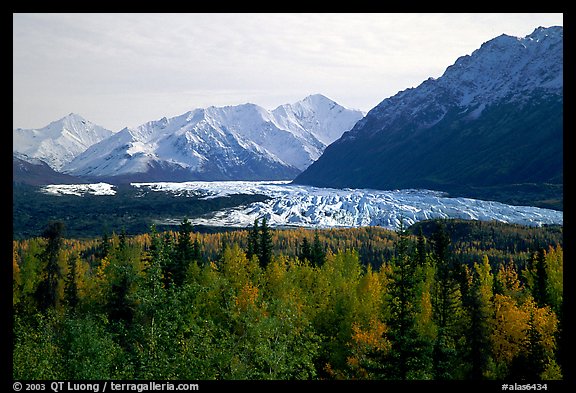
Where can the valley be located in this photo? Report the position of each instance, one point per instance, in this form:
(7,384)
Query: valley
(89,210)
(420,240)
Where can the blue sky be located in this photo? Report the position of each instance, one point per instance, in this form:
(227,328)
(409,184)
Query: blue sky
(121,70)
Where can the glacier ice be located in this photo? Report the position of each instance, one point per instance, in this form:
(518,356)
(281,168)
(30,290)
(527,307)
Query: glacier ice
(297,205)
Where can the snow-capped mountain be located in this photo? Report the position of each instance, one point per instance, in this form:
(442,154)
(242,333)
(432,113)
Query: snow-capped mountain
(33,171)
(318,115)
(59,142)
(243,142)
(494,119)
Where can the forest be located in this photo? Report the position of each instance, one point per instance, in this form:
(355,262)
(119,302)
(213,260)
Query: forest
(441,300)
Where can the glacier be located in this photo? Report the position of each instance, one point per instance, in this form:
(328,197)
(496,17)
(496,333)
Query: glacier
(291,205)
(79,189)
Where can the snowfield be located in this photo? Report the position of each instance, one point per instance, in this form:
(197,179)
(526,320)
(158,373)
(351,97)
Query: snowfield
(80,189)
(306,206)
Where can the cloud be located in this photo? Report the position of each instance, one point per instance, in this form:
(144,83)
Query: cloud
(97,63)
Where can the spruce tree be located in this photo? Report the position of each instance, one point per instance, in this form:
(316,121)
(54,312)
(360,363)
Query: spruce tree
(71,288)
(253,240)
(479,303)
(120,304)
(447,305)
(159,254)
(196,251)
(305,250)
(317,252)
(540,289)
(184,253)
(265,246)
(410,355)
(103,247)
(47,291)
(421,248)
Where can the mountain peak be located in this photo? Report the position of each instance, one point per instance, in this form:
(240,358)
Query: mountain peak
(236,142)
(478,125)
(318,98)
(543,32)
(60,141)
(74,116)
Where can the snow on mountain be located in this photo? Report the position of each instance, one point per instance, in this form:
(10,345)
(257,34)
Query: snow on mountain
(33,171)
(296,205)
(492,121)
(232,142)
(529,63)
(504,67)
(59,142)
(318,115)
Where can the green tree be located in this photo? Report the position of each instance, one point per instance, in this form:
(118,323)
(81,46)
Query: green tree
(89,350)
(184,253)
(448,308)
(317,253)
(555,285)
(103,247)
(265,246)
(540,291)
(305,250)
(334,305)
(47,291)
(71,286)
(253,240)
(16,280)
(36,351)
(196,251)
(421,248)
(410,354)
(122,277)
(480,308)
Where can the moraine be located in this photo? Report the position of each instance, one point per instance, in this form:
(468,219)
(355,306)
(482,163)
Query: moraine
(306,206)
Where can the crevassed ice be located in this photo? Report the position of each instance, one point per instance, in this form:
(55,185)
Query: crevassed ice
(297,205)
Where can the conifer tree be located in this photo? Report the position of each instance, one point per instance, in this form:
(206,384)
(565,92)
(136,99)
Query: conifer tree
(410,355)
(253,240)
(196,251)
(265,246)
(163,250)
(540,289)
(421,248)
(122,240)
(305,250)
(158,259)
(317,253)
(71,288)
(104,246)
(184,253)
(122,278)
(447,304)
(480,307)
(47,291)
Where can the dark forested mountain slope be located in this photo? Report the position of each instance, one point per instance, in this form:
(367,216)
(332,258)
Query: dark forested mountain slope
(490,127)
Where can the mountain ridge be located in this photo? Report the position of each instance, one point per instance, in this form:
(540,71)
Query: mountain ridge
(240,142)
(60,141)
(493,120)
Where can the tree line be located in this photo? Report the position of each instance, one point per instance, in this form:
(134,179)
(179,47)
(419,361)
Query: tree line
(283,304)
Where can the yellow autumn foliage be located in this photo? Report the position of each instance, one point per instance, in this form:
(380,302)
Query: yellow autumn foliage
(247,296)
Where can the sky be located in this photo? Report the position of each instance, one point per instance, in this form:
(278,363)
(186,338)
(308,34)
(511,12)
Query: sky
(121,70)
